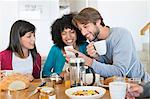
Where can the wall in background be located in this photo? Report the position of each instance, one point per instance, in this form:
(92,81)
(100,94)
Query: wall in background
(133,15)
(40,13)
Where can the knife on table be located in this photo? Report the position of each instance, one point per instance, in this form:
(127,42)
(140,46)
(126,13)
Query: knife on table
(36,90)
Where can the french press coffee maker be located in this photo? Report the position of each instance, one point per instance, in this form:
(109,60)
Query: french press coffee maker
(78,72)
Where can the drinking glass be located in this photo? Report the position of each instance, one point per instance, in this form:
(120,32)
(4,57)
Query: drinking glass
(117,90)
(67,80)
(119,79)
(134,80)
(100,81)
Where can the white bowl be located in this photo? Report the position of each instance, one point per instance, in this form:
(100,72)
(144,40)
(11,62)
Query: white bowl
(101,91)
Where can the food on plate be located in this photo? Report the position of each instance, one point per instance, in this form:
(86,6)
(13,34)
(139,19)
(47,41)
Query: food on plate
(108,80)
(114,78)
(14,82)
(85,92)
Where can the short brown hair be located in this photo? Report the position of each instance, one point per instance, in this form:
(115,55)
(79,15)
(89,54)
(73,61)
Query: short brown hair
(87,15)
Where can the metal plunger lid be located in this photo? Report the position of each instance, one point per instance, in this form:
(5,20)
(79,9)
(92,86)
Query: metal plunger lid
(76,60)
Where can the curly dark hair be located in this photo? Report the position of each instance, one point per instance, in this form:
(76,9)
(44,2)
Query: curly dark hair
(58,27)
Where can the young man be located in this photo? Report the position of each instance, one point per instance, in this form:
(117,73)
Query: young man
(121,53)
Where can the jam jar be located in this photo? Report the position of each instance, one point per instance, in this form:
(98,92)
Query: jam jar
(47,93)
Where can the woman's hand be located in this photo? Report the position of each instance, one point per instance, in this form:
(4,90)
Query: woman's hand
(62,74)
(30,77)
(91,51)
(88,60)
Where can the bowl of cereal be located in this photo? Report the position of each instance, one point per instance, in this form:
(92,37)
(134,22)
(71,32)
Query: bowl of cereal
(85,92)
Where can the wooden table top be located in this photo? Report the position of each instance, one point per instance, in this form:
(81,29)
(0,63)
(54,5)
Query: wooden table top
(23,94)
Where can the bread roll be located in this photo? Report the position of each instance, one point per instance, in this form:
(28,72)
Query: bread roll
(108,80)
(14,82)
(114,78)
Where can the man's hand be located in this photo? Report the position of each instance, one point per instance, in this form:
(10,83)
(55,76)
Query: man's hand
(91,51)
(134,91)
(88,60)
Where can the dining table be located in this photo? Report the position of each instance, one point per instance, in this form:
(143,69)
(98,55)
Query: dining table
(24,94)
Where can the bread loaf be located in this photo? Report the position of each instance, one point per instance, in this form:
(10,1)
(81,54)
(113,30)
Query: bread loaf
(115,78)
(108,80)
(14,82)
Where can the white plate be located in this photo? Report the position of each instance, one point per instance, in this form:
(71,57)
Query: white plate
(101,91)
(8,72)
(104,85)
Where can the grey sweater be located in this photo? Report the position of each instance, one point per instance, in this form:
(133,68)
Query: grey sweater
(120,56)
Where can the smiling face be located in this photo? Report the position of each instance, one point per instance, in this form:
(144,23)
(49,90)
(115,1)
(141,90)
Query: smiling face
(90,30)
(28,41)
(69,37)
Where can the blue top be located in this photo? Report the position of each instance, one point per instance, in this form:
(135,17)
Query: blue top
(120,56)
(56,60)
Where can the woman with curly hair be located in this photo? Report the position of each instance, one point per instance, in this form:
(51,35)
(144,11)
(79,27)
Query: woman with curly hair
(63,33)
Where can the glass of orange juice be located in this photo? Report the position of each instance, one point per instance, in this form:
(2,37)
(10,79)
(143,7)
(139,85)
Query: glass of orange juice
(67,79)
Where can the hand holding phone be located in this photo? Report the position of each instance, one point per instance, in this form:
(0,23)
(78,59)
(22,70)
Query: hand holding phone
(68,52)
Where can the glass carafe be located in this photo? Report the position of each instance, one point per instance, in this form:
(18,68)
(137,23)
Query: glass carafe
(78,72)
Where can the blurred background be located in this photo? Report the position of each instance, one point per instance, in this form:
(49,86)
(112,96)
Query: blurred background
(131,14)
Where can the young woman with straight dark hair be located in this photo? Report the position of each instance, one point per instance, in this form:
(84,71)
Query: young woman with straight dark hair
(21,54)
